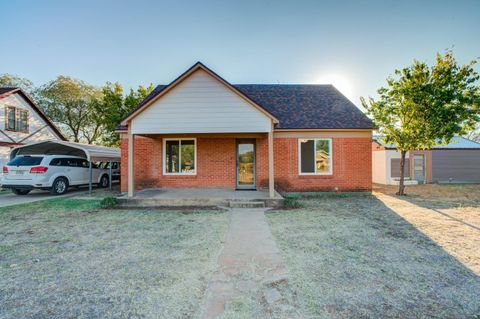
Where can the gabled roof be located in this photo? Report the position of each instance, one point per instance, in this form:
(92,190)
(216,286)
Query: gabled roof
(7,91)
(457,143)
(294,106)
(163,89)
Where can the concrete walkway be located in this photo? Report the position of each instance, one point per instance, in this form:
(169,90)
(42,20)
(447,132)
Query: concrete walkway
(250,261)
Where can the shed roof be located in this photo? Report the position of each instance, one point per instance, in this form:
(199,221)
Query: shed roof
(90,152)
(457,143)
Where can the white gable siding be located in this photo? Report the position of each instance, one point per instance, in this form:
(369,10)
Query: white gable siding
(200,104)
(4,156)
(35,123)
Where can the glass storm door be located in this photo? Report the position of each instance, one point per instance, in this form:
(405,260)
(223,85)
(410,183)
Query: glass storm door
(419,168)
(246,164)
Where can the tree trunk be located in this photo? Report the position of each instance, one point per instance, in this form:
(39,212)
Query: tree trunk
(401,185)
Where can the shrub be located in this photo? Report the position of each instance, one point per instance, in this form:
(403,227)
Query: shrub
(109,202)
(291,201)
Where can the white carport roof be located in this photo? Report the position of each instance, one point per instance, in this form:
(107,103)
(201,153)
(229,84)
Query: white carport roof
(92,153)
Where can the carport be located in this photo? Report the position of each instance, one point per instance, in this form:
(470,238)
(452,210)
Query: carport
(92,153)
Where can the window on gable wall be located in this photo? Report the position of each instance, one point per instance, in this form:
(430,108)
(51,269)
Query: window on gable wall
(315,156)
(16,119)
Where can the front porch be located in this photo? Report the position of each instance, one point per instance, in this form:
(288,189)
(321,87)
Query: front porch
(162,197)
(231,161)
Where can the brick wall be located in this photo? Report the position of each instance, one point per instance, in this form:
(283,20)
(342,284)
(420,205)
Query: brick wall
(216,166)
(352,167)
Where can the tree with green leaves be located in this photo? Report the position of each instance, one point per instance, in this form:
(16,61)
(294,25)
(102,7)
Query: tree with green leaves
(11,80)
(423,106)
(115,106)
(475,135)
(69,102)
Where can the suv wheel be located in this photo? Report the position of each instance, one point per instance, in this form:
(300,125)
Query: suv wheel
(17,191)
(104,181)
(59,186)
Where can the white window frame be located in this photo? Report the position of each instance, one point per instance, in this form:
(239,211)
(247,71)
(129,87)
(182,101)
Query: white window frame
(164,163)
(330,156)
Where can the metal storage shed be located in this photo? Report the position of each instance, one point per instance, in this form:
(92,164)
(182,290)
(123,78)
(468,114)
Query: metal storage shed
(92,153)
(455,162)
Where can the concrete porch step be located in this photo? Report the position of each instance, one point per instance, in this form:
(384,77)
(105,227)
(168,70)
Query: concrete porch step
(246,204)
(199,197)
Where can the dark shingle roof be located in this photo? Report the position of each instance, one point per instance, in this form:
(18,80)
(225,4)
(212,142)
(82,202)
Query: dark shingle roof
(302,106)
(4,90)
(152,94)
(298,106)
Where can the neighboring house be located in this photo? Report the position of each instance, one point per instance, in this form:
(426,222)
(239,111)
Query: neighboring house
(201,131)
(457,162)
(23,122)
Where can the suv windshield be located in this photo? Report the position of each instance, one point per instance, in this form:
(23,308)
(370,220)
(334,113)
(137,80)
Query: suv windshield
(25,161)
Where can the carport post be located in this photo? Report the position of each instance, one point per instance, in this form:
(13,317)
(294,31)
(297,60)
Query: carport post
(91,177)
(110,175)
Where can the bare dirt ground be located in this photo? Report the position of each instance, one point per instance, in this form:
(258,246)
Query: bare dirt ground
(382,256)
(347,256)
(66,258)
(448,214)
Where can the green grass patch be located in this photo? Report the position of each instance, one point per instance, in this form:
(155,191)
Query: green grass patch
(109,202)
(292,201)
(51,205)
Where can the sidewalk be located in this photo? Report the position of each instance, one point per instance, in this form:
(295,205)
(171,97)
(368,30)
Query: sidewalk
(249,266)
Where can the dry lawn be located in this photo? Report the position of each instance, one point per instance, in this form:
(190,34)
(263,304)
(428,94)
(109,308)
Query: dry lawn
(367,257)
(68,259)
(447,214)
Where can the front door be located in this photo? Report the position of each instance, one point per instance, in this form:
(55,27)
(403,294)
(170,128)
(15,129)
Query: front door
(419,168)
(246,164)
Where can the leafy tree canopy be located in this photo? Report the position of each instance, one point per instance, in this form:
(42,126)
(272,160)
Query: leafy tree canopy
(11,80)
(115,106)
(423,106)
(82,111)
(68,101)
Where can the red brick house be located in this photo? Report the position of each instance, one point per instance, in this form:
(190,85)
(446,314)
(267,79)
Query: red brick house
(202,132)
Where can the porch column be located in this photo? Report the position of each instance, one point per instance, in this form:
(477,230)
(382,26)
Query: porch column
(271,182)
(131,173)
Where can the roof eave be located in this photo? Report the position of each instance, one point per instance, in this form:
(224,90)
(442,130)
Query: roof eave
(182,77)
(37,109)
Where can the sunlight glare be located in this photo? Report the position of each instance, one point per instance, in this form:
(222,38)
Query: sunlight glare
(340,82)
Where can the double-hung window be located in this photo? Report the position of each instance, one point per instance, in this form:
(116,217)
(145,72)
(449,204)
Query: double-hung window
(179,156)
(16,119)
(315,156)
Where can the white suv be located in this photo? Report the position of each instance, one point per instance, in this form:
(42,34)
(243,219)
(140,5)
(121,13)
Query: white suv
(51,172)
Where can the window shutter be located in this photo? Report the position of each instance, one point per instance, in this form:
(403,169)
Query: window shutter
(17,119)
